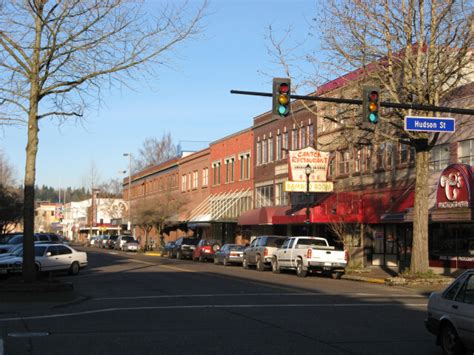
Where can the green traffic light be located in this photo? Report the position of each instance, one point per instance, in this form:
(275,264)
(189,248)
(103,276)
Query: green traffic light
(373,117)
(282,110)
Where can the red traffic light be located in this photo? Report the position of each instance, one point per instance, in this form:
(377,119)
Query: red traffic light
(283,88)
(373,96)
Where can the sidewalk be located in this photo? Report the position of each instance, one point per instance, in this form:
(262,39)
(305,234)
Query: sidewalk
(374,274)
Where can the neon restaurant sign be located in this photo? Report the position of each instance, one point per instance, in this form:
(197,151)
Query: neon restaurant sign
(455,187)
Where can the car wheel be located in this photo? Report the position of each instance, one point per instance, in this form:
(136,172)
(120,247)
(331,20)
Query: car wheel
(74,268)
(300,271)
(260,265)
(245,263)
(37,271)
(225,262)
(337,275)
(201,258)
(275,266)
(449,340)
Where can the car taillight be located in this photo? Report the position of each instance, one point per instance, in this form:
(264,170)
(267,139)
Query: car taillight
(346,255)
(309,253)
(265,252)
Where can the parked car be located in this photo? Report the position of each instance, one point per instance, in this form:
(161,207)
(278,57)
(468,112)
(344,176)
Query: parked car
(131,245)
(111,241)
(121,240)
(205,250)
(184,247)
(38,237)
(103,239)
(306,254)
(260,251)
(168,249)
(48,257)
(229,254)
(451,315)
(93,241)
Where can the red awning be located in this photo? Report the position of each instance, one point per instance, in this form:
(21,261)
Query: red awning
(260,216)
(369,206)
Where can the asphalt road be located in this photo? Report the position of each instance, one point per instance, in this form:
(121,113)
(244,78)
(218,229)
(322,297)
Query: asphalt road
(136,304)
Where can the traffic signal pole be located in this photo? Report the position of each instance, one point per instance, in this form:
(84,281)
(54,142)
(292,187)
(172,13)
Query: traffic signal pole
(431,108)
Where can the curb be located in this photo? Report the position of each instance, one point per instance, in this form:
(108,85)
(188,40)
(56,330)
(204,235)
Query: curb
(364,279)
(152,254)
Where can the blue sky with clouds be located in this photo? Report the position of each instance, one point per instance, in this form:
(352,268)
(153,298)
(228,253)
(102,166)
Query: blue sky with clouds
(191,100)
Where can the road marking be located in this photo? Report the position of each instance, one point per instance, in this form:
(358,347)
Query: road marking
(371,295)
(214,306)
(176,268)
(28,334)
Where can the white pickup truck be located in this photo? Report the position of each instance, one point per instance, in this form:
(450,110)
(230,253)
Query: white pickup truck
(305,254)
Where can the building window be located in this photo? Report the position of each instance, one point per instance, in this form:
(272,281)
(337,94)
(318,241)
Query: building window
(183,182)
(344,162)
(278,147)
(264,152)
(406,154)
(229,170)
(264,196)
(216,173)
(189,181)
(259,153)
(205,177)
(285,144)
(332,167)
(244,166)
(310,135)
(294,139)
(466,152)
(270,149)
(379,161)
(281,197)
(195,179)
(367,159)
(358,160)
(439,157)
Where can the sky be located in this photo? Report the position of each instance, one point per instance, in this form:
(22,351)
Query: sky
(191,100)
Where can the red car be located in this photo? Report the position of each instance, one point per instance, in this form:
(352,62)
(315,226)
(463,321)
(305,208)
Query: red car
(205,250)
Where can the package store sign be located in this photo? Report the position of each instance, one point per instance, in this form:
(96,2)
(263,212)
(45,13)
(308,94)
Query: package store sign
(298,160)
(299,186)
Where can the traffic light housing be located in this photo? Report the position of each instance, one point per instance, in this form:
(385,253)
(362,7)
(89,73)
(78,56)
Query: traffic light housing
(371,104)
(281,96)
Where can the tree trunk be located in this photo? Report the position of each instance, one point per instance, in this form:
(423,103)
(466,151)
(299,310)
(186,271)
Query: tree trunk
(419,256)
(29,189)
(29,274)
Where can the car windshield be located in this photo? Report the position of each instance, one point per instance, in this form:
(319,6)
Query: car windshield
(275,242)
(236,247)
(39,250)
(113,237)
(16,240)
(314,242)
(190,241)
(17,251)
(128,239)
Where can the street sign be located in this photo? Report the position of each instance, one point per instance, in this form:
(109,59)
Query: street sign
(299,186)
(430,124)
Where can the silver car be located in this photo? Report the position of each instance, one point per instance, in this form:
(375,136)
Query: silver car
(451,315)
(229,254)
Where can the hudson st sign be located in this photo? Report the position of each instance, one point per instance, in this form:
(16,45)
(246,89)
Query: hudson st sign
(430,124)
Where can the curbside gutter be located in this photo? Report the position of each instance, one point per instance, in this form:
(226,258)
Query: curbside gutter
(364,279)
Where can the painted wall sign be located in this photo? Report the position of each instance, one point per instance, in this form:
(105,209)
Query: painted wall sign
(455,187)
(299,159)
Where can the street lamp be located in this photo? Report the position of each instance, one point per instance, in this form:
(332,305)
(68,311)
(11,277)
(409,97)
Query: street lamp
(307,171)
(129,155)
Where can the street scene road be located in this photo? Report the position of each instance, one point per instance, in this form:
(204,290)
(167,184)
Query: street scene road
(135,304)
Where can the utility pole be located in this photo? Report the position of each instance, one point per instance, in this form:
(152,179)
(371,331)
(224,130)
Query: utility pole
(129,155)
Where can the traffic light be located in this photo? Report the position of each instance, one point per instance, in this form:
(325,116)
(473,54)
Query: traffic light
(371,103)
(281,96)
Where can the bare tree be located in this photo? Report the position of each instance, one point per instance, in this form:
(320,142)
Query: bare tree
(155,151)
(418,52)
(154,213)
(58,55)
(7,175)
(11,207)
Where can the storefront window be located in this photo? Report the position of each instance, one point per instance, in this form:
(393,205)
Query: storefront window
(452,243)
(466,152)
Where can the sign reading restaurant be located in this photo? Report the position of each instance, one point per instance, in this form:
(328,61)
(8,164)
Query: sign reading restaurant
(318,161)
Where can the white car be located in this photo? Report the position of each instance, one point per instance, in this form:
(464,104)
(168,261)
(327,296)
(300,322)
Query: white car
(451,315)
(48,257)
